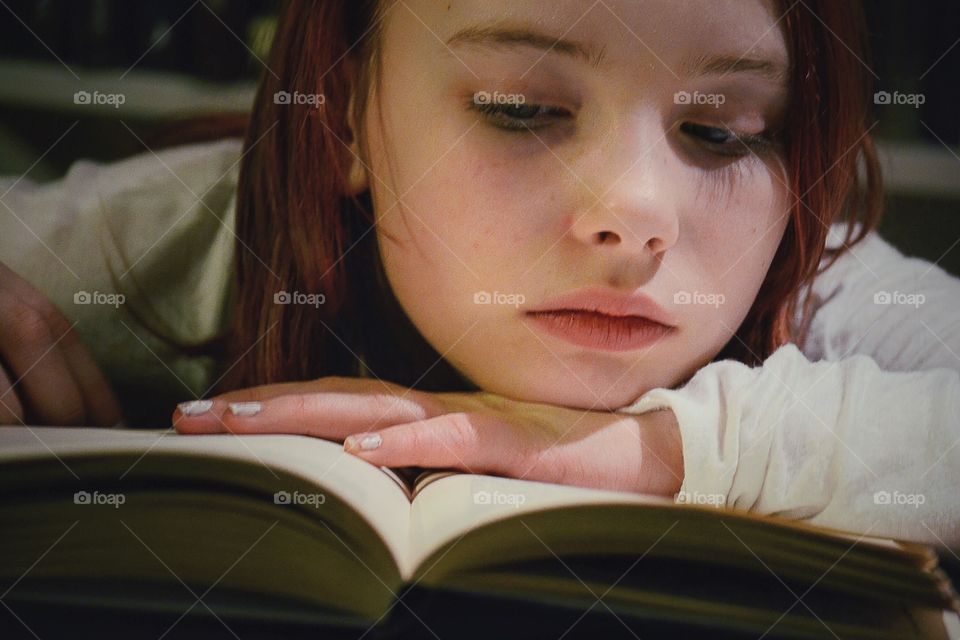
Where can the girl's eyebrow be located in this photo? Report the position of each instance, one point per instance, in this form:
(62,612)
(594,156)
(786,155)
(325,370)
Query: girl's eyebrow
(500,37)
(723,64)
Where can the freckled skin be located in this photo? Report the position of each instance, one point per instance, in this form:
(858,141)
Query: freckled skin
(491,210)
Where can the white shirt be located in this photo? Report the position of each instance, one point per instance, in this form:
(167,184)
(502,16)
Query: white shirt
(155,228)
(859,430)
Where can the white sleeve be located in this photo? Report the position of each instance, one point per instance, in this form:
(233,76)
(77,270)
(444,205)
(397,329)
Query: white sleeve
(841,444)
(156,228)
(137,254)
(861,430)
(903,312)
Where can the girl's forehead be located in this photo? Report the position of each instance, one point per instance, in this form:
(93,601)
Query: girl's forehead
(677,34)
(630,49)
(642,41)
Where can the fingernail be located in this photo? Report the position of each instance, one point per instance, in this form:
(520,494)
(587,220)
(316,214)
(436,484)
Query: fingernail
(362,442)
(195,407)
(244,408)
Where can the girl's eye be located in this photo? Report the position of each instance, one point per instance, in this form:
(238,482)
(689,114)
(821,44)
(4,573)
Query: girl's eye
(518,117)
(729,143)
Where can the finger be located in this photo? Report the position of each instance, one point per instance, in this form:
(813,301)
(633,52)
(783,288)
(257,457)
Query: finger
(11,411)
(331,415)
(205,416)
(325,384)
(101,406)
(473,442)
(41,374)
(100,401)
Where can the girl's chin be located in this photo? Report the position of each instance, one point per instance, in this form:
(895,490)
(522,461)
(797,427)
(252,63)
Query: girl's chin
(575,396)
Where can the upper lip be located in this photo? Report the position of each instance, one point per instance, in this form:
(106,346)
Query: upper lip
(607,302)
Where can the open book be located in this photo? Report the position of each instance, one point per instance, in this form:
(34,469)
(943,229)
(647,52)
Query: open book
(291,528)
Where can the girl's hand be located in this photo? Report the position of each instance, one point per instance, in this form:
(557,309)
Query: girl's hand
(47,376)
(389,425)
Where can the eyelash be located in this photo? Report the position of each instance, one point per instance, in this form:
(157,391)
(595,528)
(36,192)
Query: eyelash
(739,144)
(499,115)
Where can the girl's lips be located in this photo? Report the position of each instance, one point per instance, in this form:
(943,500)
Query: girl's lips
(600,331)
(609,302)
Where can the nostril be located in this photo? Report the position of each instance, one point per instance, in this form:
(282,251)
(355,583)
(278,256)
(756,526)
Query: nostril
(603,235)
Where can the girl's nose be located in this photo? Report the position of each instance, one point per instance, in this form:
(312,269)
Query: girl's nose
(629,197)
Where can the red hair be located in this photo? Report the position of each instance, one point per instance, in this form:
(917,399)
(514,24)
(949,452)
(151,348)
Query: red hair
(298,232)
(826,137)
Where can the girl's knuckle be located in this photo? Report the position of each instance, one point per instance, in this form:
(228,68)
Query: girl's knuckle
(28,325)
(58,325)
(300,407)
(417,440)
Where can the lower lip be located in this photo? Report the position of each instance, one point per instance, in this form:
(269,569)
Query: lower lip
(599,331)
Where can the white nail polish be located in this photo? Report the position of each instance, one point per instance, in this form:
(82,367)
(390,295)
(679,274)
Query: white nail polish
(195,407)
(366,443)
(370,442)
(244,408)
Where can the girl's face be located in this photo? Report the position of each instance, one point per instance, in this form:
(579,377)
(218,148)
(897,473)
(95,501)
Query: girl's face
(518,151)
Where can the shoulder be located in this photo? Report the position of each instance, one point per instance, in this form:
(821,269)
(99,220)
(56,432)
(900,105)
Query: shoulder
(875,300)
(165,226)
(156,193)
(872,260)
(155,232)
(145,191)
(189,164)
(156,227)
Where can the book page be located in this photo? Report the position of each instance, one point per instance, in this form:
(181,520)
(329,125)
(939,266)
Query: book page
(377,498)
(451,504)
(447,504)
(541,520)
